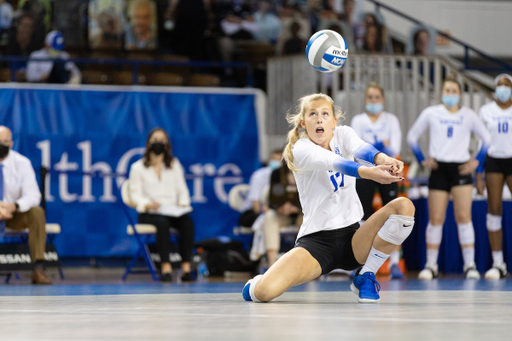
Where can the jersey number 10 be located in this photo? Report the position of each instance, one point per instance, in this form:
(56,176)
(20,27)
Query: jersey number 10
(503,127)
(338,180)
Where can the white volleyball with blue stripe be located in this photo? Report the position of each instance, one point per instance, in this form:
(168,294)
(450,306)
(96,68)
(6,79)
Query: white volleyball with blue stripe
(326,51)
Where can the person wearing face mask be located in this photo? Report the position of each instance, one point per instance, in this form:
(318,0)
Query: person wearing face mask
(57,70)
(19,202)
(157,183)
(382,130)
(451,167)
(497,117)
(260,179)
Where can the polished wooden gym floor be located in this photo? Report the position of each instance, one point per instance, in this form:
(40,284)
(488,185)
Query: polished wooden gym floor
(77,309)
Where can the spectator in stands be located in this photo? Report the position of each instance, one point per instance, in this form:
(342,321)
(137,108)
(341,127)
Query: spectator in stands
(41,11)
(21,37)
(54,71)
(19,202)
(421,41)
(237,24)
(6,13)
(294,45)
(348,17)
(260,179)
(268,23)
(157,186)
(140,33)
(109,33)
(373,39)
(284,209)
(313,13)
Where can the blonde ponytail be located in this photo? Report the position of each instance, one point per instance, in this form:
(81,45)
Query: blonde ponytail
(295,120)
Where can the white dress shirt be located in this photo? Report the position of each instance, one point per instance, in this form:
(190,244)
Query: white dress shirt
(20,185)
(170,189)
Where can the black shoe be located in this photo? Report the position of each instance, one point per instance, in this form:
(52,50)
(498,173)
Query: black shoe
(166,277)
(188,277)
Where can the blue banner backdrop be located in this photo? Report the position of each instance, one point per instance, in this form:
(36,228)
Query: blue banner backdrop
(214,135)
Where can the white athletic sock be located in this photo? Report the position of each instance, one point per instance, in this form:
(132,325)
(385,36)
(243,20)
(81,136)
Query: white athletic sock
(394,258)
(497,258)
(468,253)
(375,260)
(432,256)
(251,288)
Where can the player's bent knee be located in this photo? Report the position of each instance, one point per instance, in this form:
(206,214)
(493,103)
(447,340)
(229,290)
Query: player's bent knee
(265,291)
(396,229)
(403,206)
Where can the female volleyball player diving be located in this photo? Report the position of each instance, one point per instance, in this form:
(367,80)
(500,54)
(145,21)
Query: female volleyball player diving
(322,159)
(450,126)
(498,168)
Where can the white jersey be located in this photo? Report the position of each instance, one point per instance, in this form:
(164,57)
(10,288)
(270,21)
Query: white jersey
(499,124)
(329,199)
(386,127)
(450,134)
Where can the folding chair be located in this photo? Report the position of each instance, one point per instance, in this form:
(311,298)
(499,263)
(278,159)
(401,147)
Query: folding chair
(139,231)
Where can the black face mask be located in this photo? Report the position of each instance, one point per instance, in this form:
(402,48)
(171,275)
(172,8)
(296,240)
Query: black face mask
(4,150)
(157,148)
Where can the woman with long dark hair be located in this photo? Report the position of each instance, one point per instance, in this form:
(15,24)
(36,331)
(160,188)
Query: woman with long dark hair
(157,182)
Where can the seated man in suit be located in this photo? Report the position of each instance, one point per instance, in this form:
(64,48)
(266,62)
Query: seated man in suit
(19,202)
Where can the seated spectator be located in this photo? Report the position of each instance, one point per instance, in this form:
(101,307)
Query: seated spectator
(19,202)
(313,13)
(294,45)
(348,17)
(105,27)
(56,71)
(268,23)
(260,179)
(141,32)
(284,209)
(22,41)
(6,13)
(373,39)
(41,11)
(157,184)
(421,43)
(237,24)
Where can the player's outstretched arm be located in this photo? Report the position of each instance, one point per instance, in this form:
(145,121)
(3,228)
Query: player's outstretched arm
(381,174)
(397,166)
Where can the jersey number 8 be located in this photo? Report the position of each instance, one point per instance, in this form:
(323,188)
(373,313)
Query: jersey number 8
(450,131)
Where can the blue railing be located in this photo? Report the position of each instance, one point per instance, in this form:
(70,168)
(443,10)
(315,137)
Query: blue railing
(467,48)
(16,62)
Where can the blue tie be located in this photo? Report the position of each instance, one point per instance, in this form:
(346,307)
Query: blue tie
(2,222)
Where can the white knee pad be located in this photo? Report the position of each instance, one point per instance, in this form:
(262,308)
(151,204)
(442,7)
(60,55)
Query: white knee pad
(466,233)
(396,229)
(434,234)
(493,222)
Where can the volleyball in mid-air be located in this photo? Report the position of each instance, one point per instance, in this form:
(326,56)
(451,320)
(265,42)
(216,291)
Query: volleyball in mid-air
(326,51)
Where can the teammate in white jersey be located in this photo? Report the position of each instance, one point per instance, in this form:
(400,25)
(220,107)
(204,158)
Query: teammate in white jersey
(382,130)
(322,159)
(497,117)
(450,130)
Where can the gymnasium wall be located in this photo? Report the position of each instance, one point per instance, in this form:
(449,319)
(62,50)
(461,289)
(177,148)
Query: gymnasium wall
(483,24)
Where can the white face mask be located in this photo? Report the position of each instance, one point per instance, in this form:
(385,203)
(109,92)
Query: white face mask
(503,93)
(274,164)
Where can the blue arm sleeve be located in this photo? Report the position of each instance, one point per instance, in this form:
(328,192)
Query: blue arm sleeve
(347,167)
(366,152)
(379,146)
(417,152)
(481,158)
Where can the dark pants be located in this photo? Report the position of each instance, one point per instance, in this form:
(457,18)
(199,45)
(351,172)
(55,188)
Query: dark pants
(183,224)
(59,74)
(366,190)
(247,218)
